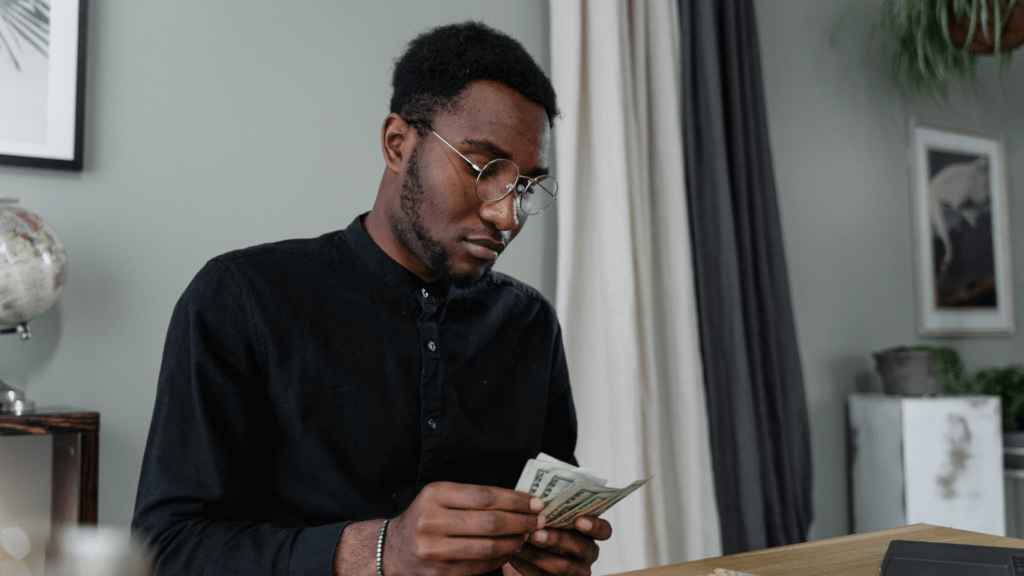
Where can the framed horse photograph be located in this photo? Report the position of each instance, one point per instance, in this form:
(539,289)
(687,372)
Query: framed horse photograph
(961,233)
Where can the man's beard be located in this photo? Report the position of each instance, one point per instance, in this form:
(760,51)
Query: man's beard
(414,235)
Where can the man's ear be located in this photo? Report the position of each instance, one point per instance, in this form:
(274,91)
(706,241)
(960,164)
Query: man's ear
(397,139)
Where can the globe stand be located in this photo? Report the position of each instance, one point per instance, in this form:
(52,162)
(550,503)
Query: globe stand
(21,330)
(12,400)
(32,273)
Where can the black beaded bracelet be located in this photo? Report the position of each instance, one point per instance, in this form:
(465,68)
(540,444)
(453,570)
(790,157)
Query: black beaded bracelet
(380,548)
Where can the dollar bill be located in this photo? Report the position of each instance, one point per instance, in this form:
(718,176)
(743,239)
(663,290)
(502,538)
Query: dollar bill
(546,458)
(601,506)
(569,491)
(573,501)
(584,500)
(555,482)
(548,477)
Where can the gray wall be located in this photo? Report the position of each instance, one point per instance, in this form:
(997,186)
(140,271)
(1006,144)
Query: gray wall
(209,127)
(838,132)
(215,126)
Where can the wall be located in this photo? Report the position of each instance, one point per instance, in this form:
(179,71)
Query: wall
(838,131)
(215,126)
(209,127)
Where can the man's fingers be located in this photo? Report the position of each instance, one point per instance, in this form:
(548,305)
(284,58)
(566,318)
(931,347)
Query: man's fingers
(524,568)
(468,568)
(472,510)
(480,523)
(594,527)
(474,497)
(462,549)
(462,529)
(567,542)
(534,561)
(508,570)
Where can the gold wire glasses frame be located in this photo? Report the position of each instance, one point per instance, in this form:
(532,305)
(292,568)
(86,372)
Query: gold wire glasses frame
(500,176)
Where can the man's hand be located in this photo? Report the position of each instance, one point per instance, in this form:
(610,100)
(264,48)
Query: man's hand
(457,529)
(560,552)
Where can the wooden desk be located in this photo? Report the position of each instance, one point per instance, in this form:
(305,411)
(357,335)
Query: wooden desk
(75,436)
(854,555)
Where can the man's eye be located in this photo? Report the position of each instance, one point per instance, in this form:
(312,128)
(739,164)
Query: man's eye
(489,172)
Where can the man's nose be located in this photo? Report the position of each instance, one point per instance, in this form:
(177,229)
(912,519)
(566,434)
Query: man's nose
(502,213)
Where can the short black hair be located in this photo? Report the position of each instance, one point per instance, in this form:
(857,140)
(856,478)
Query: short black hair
(438,64)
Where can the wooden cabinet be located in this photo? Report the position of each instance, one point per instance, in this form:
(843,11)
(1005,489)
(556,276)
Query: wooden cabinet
(74,446)
(937,460)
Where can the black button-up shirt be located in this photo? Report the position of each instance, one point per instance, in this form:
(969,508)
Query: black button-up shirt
(307,384)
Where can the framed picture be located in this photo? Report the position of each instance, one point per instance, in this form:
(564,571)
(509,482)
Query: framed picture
(961,235)
(42,75)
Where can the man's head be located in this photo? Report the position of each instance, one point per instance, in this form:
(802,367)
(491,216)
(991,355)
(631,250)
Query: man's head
(483,98)
(438,65)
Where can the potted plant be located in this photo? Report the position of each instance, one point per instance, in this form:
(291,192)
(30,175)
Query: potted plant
(1008,384)
(932,42)
(919,370)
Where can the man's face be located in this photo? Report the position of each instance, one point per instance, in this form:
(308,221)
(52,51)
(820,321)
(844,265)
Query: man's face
(441,221)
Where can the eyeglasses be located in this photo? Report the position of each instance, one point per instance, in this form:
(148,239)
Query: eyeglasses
(500,176)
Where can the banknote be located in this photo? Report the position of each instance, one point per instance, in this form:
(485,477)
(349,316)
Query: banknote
(546,477)
(724,572)
(546,458)
(584,499)
(568,491)
(600,506)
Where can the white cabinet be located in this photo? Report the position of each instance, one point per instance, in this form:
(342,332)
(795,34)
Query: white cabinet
(937,460)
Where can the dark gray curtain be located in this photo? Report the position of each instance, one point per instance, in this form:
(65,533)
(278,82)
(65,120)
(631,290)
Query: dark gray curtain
(755,393)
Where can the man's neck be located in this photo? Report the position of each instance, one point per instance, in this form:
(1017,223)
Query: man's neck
(380,232)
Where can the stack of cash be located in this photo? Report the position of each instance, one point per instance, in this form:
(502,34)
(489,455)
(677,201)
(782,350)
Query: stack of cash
(569,492)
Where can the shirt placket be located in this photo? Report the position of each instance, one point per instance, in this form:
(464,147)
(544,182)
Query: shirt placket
(431,421)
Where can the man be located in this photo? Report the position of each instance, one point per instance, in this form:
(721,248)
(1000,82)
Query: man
(362,403)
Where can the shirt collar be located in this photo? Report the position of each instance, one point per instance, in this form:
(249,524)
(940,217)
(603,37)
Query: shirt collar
(386,269)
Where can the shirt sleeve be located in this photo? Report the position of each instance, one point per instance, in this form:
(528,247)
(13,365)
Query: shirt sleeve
(202,500)
(560,426)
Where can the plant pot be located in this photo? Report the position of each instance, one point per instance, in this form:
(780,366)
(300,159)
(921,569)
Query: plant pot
(1013,450)
(907,372)
(1012,34)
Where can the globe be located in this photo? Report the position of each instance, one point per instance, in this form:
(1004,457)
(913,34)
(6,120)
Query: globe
(33,265)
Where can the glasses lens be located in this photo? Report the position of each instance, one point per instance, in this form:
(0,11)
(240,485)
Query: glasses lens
(539,195)
(496,179)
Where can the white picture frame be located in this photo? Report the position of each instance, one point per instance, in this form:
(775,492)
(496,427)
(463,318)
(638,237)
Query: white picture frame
(42,72)
(961,232)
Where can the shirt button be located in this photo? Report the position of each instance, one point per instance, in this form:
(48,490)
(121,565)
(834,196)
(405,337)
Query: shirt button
(432,424)
(424,292)
(431,346)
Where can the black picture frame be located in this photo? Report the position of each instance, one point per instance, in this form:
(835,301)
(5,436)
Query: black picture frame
(55,31)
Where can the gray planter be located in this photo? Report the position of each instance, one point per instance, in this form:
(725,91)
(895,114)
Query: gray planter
(1013,471)
(907,372)
(1013,450)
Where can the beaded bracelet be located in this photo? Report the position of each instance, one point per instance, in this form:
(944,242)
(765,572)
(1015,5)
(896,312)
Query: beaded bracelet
(380,548)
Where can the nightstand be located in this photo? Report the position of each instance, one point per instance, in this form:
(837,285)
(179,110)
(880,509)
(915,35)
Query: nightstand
(74,445)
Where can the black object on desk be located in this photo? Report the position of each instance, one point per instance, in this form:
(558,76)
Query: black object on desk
(908,558)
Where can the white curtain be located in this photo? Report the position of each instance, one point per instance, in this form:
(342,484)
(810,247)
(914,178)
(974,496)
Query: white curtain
(625,292)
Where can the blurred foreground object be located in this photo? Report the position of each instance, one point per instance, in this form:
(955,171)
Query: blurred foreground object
(100,551)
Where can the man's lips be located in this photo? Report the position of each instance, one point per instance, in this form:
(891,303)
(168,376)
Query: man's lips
(484,248)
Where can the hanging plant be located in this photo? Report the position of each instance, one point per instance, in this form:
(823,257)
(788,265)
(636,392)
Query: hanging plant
(975,19)
(934,42)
